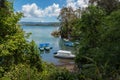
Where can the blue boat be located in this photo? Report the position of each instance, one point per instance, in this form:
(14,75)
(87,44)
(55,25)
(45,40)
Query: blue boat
(47,46)
(41,47)
(70,44)
(44,46)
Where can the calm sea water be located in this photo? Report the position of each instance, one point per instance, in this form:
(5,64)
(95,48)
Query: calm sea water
(42,34)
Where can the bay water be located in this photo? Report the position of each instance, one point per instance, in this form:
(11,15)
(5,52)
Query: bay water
(42,34)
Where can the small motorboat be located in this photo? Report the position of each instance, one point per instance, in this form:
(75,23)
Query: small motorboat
(64,54)
(70,44)
(66,40)
(41,47)
(47,46)
(44,46)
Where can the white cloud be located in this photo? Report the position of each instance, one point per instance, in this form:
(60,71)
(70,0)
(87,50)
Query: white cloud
(32,10)
(71,3)
(77,3)
(52,10)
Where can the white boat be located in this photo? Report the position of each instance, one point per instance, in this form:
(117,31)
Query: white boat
(47,48)
(64,54)
(41,49)
(66,40)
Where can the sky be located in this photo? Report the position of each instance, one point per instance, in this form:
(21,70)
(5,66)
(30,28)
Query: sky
(44,10)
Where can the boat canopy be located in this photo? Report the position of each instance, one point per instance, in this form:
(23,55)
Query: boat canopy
(71,44)
(44,45)
(63,51)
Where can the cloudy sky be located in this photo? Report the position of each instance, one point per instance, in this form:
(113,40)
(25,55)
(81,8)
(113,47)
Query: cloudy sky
(45,10)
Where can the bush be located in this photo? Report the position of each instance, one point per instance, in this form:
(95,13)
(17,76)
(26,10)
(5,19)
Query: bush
(55,33)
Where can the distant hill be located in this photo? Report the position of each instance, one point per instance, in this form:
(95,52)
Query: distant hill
(40,23)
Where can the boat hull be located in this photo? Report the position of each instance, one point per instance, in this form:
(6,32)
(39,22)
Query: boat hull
(41,49)
(70,44)
(64,57)
(64,54)
(47,48)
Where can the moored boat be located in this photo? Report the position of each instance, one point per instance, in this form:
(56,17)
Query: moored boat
(66,40)
(70,44)
(41,47)
(47,47)
(44,46)
(64,54)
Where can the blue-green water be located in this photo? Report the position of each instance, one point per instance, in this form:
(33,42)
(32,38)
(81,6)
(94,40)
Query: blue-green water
(42,34)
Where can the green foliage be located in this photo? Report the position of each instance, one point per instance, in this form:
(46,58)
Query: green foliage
(51,72)
(90,29)
(55,33)
(19,59)
(67,14)
(109,6)
(75,30)
(33,56)
(98,52)
(62,75)
(98,31)
(8,20)
(111,39)
(14,49)
(22,72)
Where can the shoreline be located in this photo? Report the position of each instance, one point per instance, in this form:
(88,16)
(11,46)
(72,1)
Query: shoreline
(68,66)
